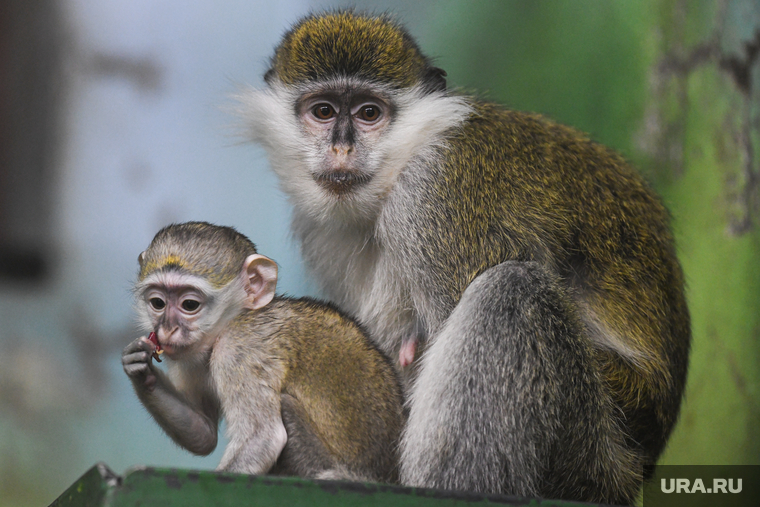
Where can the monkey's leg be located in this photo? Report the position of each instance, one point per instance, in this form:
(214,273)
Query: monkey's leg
(510,399)
(255,429)
(304,455)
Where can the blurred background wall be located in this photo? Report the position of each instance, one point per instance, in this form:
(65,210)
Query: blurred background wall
(112,125)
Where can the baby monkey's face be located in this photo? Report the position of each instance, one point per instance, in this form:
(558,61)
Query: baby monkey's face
(176,306)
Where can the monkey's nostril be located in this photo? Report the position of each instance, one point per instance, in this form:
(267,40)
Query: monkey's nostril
(342,150)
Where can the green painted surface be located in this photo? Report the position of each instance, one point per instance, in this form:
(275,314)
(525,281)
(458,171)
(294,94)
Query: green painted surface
(90,490)
(147,487)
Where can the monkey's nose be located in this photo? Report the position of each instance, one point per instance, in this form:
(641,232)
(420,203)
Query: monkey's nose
(342,150)
(163,336)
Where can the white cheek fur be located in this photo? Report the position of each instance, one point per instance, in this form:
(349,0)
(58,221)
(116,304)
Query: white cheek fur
(419,123)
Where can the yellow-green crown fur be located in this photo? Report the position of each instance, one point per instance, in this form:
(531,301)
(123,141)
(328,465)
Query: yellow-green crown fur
(344,43)
(213,252)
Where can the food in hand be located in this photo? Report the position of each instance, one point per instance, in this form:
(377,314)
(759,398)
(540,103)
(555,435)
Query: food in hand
(156,353)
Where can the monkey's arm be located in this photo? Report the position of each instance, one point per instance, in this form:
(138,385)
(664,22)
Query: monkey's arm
(191,425)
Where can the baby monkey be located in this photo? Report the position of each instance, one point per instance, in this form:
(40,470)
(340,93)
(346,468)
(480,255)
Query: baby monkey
(302,389)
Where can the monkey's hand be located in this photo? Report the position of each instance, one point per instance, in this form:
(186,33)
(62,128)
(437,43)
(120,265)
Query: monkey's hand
(190,418)
(137,363)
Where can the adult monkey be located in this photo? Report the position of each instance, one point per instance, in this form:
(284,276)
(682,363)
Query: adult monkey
(535,266)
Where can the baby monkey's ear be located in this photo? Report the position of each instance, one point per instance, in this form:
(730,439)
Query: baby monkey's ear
(260,275)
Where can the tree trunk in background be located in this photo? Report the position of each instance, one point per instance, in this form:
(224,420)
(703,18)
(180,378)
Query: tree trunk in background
(701,129)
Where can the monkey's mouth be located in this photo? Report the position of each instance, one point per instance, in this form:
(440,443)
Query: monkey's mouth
(341,182)
(171,349)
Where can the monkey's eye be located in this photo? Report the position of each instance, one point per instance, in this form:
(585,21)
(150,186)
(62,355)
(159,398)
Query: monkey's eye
(190,305)
(323,111)
(157,303)
(369,113)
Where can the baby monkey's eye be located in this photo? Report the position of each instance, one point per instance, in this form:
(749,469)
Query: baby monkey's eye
(190,305)
(323,111)
(157,303)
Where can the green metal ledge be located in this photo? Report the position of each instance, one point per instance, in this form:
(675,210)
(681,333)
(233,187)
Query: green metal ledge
(167,487)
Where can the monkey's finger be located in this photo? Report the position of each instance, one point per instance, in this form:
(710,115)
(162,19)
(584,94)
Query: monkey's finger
(140,357)
(141,343)
(136,369)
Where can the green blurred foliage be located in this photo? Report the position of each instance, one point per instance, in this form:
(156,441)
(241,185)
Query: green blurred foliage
(583,63)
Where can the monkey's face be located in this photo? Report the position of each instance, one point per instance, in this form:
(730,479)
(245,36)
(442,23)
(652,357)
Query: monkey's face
(345,126)
(175,312)
(185,312)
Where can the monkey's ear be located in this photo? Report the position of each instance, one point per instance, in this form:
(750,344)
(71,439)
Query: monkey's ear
(140,258)
(434,80)
(269,76)
(260,275)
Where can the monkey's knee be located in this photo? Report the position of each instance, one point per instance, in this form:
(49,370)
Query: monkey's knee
(511,306)
(513,291)
(470,417)
(523,400)
(304,455)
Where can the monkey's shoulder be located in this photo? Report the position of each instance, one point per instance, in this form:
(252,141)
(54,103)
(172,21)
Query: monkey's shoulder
(513,185)
(514,143)
(310,313)
(307,341)
(516,127)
